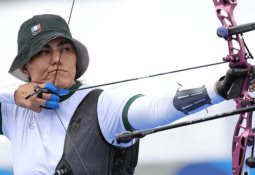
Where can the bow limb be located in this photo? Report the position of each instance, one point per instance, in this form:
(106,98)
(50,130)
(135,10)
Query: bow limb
(243,138)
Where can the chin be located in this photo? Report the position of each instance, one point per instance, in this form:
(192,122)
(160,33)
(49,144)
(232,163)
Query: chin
(64,84)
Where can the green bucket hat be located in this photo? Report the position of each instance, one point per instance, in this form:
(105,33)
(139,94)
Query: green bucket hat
(38,31)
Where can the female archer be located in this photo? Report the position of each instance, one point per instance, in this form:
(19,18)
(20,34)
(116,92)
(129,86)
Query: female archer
(55,129)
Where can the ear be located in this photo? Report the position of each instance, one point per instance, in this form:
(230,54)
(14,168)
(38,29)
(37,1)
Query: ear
(25,71)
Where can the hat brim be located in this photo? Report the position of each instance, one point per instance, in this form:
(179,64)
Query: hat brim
(25,55)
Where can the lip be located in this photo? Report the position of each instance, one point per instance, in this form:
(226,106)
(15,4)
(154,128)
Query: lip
(57,70)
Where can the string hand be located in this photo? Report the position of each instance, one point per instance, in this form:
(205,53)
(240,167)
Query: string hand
(45,95)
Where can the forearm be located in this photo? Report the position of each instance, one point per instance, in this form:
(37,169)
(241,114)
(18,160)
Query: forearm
(148,112)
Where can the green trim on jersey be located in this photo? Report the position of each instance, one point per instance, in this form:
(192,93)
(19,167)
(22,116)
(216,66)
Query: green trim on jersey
(74,87)
(1,123)
(126,123)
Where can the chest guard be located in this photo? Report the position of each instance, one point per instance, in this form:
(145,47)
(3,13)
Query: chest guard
(99,157)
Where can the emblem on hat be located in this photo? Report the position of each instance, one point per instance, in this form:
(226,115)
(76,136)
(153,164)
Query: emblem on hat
(36,29)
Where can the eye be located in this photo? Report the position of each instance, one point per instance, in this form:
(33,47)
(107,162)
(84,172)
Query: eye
(43,52)
(67,48)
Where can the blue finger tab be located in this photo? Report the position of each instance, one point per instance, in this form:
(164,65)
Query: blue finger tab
(51,87)
(51,104)
(63,92)
(54,97)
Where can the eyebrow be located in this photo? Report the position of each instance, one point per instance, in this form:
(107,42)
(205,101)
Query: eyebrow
(61,43)
(64,42)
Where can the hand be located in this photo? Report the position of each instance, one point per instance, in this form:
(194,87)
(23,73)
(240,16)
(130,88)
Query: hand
(252,82)
(230,86)
(36,96)
(252,85)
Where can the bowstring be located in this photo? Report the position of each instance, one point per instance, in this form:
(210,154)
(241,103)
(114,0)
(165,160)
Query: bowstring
(62,46)
(54,81)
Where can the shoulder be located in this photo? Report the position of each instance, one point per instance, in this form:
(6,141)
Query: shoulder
(115,95)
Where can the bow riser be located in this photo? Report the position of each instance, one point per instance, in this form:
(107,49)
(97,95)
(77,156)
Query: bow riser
(242,148)
(243,138)
(224,11)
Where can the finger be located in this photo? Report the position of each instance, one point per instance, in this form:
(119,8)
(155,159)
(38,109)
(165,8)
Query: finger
(39,102)
(34,105)
(51,87)
(51,104)
(63,92)
(36,109)
(50,97)
(40,91)
(46,96)
(54,98)
(251,87)
(47,103)
(252,84)
(45,88)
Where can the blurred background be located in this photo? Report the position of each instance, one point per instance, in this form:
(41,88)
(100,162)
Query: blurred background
(133,38)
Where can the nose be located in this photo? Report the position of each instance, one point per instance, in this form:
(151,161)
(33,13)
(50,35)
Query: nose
(56,58)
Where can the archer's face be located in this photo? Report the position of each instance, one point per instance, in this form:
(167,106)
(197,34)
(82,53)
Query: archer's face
(51,63)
